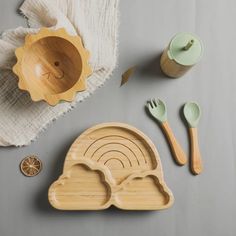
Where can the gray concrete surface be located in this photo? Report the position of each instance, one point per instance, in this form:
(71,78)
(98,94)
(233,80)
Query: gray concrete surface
(204,205)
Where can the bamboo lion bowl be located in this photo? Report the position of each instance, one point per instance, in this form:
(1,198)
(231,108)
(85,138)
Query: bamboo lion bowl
(52,66)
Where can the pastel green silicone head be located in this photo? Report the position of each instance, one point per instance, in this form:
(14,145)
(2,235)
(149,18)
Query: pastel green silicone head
(192,113)
(158,109)
(186,49)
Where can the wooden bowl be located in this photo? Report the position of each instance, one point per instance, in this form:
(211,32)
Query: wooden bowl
(52,66)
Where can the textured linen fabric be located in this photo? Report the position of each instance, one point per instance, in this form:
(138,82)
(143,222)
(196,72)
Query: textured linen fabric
(96,21)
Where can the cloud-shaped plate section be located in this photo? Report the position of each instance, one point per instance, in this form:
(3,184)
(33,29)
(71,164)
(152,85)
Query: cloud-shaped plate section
(144,192)
(80,188)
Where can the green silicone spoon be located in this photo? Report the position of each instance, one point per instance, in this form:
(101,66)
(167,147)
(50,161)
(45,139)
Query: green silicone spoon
(157,108)
(192,114)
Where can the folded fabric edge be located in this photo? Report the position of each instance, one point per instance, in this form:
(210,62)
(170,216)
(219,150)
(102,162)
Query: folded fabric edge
(5,143)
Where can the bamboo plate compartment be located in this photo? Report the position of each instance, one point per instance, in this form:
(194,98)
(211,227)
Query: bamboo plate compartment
(52,66)
(111,164)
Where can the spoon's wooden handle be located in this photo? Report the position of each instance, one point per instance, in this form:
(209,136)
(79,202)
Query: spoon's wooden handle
(196,162)
(176,149)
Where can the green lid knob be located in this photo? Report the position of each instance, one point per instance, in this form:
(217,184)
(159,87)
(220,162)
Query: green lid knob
(186,49)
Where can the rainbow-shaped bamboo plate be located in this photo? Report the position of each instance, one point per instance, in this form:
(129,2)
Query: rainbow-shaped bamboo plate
(111,164)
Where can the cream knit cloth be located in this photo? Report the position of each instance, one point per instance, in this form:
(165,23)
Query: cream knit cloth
(95,21)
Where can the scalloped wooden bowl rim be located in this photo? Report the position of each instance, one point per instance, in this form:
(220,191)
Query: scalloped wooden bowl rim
(58,74)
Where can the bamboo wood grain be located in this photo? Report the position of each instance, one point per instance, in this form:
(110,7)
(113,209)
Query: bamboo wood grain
(196,161)
(177,151)
(111,164)
(170,67)
(52,66)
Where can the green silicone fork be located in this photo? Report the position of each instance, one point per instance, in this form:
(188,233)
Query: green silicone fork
(157,108)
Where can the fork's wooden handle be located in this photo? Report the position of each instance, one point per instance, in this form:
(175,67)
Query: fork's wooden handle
(196,162)
(176,149)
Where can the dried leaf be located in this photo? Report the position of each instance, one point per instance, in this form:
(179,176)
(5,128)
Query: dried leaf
(127,75)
